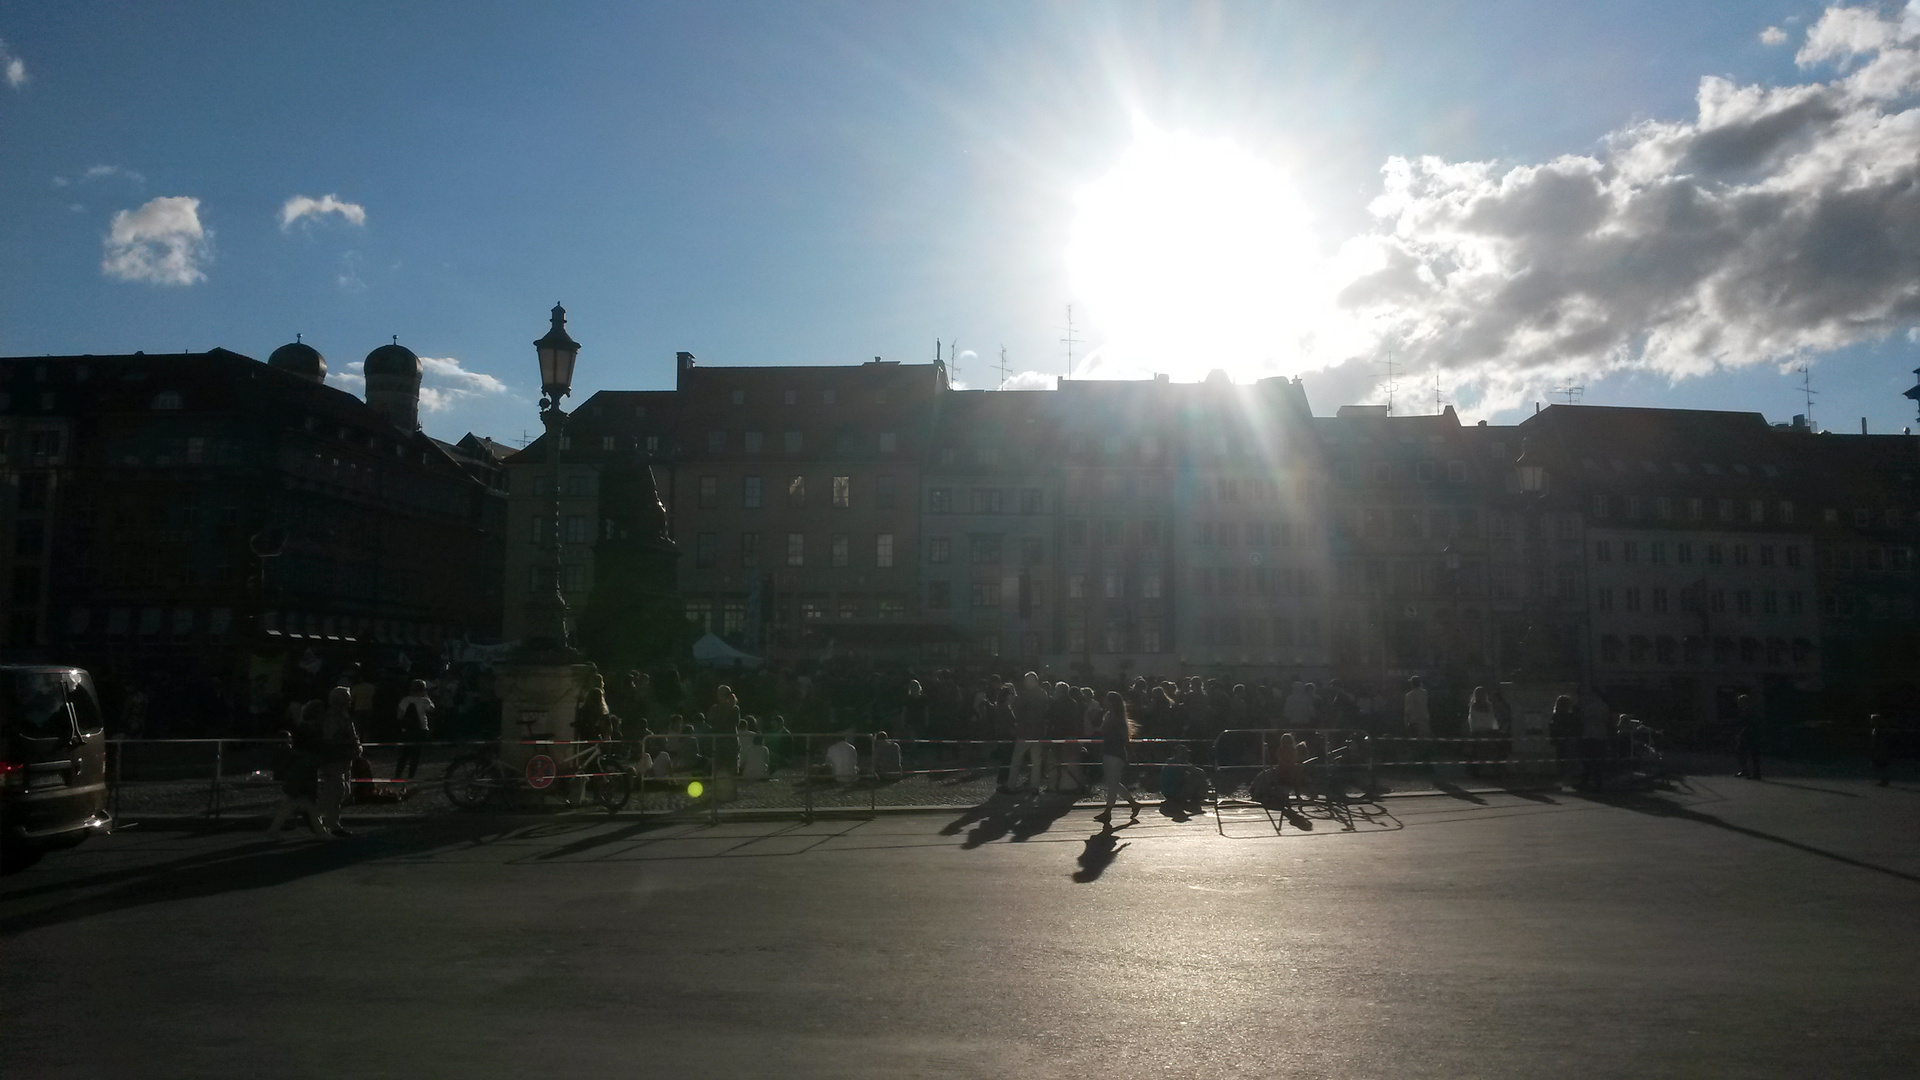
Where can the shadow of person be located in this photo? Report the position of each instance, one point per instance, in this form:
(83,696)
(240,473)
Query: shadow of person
(996,805)
(1177,811)
(1098,854)
(1033,818)
(1458,792)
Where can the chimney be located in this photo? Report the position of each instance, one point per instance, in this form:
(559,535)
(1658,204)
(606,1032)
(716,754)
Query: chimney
(1863,425)
(683,363)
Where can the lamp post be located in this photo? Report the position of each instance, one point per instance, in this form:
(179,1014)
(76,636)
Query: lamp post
(557,353)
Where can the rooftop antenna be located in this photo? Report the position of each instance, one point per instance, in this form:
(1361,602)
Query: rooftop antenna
(525,438)
(953,359)
(1070,341)
(1393,373)
(1439,403)
(1573,393)
(1003,367)
(1809,393)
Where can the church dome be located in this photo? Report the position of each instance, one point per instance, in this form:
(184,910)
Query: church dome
(300,359)
(394,359)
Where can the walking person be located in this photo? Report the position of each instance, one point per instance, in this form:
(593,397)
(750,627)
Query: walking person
(1029,733)
(296,766)
(1747,736)
(1482,725)
(338,744)
(416,726)
(1116,733)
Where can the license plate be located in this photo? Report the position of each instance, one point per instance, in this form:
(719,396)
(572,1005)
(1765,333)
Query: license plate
(42,779)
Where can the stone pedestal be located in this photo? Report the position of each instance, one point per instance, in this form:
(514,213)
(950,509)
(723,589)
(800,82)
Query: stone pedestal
(542,691)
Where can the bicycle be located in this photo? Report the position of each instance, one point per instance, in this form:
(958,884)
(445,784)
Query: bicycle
(480,778)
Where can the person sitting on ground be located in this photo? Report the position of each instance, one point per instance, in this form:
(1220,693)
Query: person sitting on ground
(843,761)
(1278,782)
(1182,783)
(886,757)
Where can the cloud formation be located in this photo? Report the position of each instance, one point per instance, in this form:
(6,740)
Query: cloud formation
(102,172)
(1773,35)
(14,68)
(302,207)
(1778,223)
(161,243)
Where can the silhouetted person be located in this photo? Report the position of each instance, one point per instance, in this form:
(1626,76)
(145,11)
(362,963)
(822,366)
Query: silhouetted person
(338,745)
(1747,736)
(1880,745)
(1116,735)
(416,726)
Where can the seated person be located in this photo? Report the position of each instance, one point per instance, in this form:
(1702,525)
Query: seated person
(753,759)
(1182,783)
(1276,784)
(662,765)
(843,761)
(886,757)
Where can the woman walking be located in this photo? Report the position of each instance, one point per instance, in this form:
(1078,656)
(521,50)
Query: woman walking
(1116,731)
(1482,724)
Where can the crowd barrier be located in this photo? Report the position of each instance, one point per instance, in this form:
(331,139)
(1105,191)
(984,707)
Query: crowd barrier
(783,772)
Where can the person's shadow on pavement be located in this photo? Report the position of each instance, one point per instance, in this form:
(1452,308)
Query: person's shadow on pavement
(1101,849)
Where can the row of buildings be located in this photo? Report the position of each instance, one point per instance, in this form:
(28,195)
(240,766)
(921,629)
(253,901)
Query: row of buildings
(1669,559)
(210,517)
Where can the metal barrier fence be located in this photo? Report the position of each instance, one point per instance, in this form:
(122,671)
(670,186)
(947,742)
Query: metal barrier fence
(782,772)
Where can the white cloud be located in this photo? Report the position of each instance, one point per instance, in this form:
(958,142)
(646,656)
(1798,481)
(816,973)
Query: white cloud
(1777,224)
(161,243)
(15,68)
(1773,35)
(444,382)
(102,172)
(301,207)
(1029,380)
(59,181)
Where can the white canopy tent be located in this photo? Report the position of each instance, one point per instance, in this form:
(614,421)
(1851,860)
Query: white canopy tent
(710,651)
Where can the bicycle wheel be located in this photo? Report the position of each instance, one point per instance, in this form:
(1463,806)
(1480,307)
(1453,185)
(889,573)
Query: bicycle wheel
(471,780)
(613,788)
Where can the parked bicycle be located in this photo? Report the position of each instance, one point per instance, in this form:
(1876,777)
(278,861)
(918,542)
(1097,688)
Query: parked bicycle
(571,770)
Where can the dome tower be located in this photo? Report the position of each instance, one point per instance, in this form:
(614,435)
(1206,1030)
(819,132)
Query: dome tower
(393,384)
(298,358)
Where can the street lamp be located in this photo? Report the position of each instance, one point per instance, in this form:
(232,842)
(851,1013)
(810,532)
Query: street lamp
(557,353)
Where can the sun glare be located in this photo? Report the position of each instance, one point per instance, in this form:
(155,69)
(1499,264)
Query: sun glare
(1193,254)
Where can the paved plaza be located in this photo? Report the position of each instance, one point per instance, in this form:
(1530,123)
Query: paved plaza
(1727,928)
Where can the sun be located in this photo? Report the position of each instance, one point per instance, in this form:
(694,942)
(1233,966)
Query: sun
(1194,254)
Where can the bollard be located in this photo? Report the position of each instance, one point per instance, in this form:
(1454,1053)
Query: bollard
(806,774)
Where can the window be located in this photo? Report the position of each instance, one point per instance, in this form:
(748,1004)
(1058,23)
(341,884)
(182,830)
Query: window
(939,595)
(839,549)
(1657,551)
(796,549)
(1659,599)
(1715,555)
(1663,508)
(790,397)
(1766,554)
(753,441)
(749,550)
(797,491)
(1150,534)
(576,529)
(1114,586)
(539,526)
(739,397)
(750,492)
(1796,603)
(1683,553)
(1600,506)
(1739,554)
(1032,551)
(1603,597)
(984,548)
(1696,509)
(1629,551)
(1076,586)
(986,594)
(1717,601)
(1150,636)
(577,487)
(889,442)
(842,492)
(792,441)
(886,492)
(985,500)
(1113,533)
(1664,650)
(1077,533)
(1726,509)
(1602,551)
(939,500)
(716,441)
(653,443)
(709,491)
(939,549)
(883,550)
(1743,601)
(1793,556)
(1633,507)
(1030,500)
(1076,636)
(573,578)
(1632,597)
(826,397)
(1609,649)
(1425,472)
(1769,602)
(706,549)
(1150,586)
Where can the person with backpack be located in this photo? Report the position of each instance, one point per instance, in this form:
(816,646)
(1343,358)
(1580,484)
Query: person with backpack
(416,726)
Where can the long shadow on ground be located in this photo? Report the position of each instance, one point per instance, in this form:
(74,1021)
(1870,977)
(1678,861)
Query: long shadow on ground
(1643,803)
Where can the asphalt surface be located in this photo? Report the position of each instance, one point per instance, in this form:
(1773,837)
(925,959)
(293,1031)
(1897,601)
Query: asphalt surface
(1736,929)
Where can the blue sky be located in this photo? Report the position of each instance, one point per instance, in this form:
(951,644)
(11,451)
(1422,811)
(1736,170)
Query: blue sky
(822,183)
